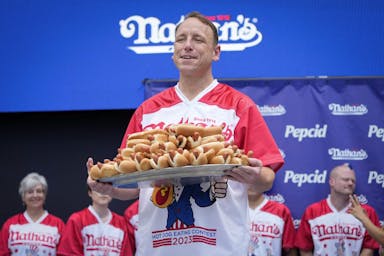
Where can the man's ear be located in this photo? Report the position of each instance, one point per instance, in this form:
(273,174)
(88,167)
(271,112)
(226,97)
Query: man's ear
(216,53)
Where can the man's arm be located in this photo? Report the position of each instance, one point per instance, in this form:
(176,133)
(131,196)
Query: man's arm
(290,252)
(356,210)
(306,253)
(366,252)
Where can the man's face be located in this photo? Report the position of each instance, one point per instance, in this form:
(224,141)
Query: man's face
(194,49)
(344,181)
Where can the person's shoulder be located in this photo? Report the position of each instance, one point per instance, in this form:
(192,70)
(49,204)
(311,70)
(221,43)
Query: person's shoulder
(316,206)
(55,218)
(14,218)
(77,215)
(368,207)
(278,205)
(277,208)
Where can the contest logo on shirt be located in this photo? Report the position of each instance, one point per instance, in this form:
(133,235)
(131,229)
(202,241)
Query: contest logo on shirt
(149,35)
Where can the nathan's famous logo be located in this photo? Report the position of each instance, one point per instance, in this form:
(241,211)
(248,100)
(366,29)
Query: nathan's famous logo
(347,109)
(151,35)
(347,154)
(272,110)
(275,197)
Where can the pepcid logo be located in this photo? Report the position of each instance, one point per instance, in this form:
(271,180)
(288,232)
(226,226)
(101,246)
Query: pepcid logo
(374,130)
(347,109)
(303,133)
(347,154)
(151,35)
(376,177)
(272,110)
(299,179)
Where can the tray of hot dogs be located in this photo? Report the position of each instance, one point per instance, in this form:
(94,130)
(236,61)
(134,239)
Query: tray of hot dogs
(185,175)
(179,154)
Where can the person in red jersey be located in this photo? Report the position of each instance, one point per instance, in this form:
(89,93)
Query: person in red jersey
(35,231)
(327,227)
(95,231)
(205,218)
(131,215)
(272,229)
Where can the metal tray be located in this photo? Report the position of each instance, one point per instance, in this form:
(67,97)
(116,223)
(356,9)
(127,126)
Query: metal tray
(186,175)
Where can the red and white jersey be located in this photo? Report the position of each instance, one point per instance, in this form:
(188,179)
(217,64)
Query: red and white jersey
(271,229)
(20,235)
(326,231)
(86,234)
(219,226)
(131,215)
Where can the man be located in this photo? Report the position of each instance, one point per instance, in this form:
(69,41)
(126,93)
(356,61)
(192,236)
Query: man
(272,229)
(96,230)
(327,228)
(208,219)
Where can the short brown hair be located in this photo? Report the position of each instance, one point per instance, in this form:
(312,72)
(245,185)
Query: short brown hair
(205,21)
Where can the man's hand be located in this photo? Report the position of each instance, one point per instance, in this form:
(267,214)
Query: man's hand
(255,175)
(219,187)
(103,188)
(246,174)
(355,209)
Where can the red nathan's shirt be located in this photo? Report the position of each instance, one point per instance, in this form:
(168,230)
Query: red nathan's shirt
(20,235)
(131,215)
(85,234)
(271,229)
(327,231)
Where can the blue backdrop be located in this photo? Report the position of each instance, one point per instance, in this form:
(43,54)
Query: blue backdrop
(94,54)
(318,124)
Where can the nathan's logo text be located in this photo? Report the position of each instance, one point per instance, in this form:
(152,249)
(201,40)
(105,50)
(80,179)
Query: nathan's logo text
(347,154)
(374,130)
(302,133)
(323,230)
(302,178)
(150,35)
(269,229)
(272,110)
(344,110)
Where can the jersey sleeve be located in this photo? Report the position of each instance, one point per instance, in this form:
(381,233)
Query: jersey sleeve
(4,234)
(304,239)
(252,133)
(71,243)
(289,230)
(368,241)
(131,211)
(120,223)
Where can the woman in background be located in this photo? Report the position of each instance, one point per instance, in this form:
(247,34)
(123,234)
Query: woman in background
(34,231)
